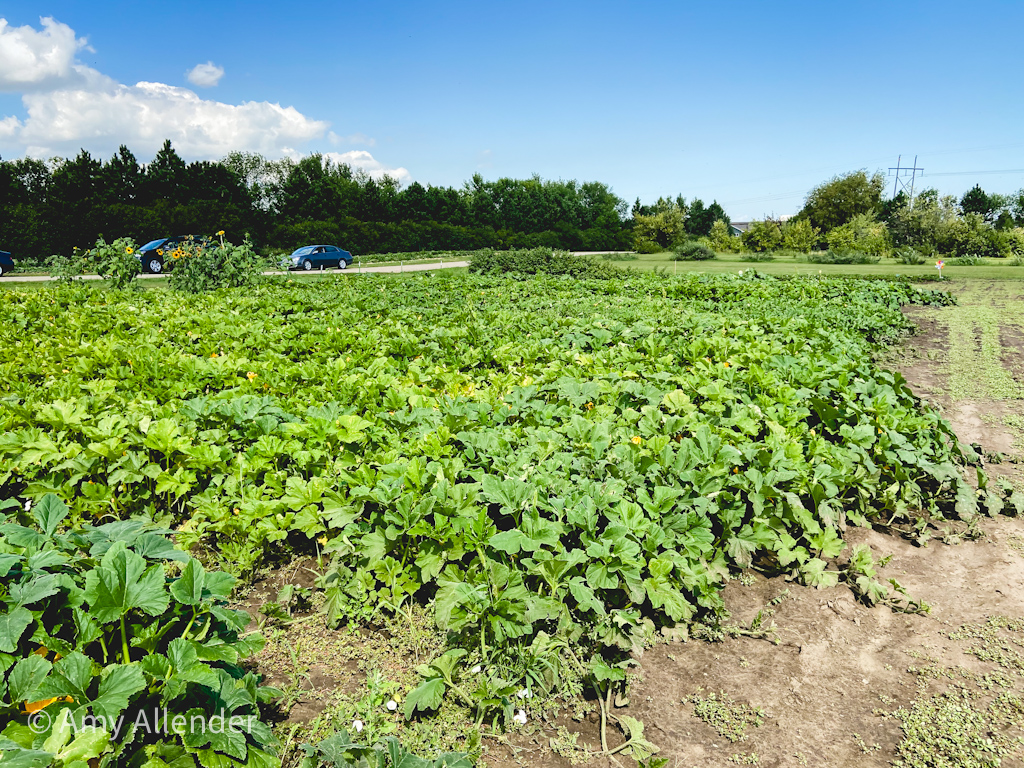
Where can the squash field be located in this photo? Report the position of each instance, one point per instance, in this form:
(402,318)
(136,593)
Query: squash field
(561,471)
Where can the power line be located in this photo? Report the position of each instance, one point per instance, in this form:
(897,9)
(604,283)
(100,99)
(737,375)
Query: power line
(977,173)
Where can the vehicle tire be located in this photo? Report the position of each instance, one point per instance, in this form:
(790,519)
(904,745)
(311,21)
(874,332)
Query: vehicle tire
(307,265)
(154,266)
(1,270)
(342,264)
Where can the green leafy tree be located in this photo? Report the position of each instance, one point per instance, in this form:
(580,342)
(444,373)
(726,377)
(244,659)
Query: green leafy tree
(923,226)
(840,199)
(165,176)
(862,233)
(975,200)
(799,235)
(660,230)
(763,236)
(721,238)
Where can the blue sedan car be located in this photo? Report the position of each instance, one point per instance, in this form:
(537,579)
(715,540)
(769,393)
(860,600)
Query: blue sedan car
(6,263)
(310,257)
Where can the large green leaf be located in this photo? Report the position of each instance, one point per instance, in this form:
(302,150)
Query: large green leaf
(188,588)
(123,583)
(49,512)
(119,684)
(426,696)
(12,626)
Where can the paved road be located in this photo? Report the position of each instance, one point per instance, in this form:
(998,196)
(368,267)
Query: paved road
(353,270)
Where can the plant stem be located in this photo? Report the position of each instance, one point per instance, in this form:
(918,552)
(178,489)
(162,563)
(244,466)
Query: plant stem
(604,719)
(124,643)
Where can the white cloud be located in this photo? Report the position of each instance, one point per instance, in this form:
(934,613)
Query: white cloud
(360,160)
(70,106)
(9,127)
(31,59)
(364,161)
(205,75)
(144,114)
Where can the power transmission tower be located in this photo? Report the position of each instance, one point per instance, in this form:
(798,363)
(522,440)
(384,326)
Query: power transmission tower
(900,174)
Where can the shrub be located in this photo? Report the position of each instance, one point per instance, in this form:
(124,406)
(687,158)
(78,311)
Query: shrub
(647,246)
(965,261)
(907,255)
(116,262)
(842,257)
(799,235)
(619,256)
(759,257)
(1015,241)
(693,251)
(200,267)
(862,233)
(538,261)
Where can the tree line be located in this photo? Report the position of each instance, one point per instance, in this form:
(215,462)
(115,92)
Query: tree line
(51,207)
(850,213)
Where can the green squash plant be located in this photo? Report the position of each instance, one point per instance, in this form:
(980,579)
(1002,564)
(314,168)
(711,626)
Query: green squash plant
(106,659)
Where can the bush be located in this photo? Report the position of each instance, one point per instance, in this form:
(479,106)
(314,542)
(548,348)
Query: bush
(200,267)
(841,257)
(863,233)
(647,246)
(907,255)
(619,256)
(116,262)
(964,261)
(759,257)
(540,261)
(799,235)
(693,251)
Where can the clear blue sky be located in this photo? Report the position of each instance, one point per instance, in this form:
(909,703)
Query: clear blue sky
(749,103)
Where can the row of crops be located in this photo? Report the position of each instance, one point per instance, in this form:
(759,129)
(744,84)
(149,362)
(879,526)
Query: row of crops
(561,469)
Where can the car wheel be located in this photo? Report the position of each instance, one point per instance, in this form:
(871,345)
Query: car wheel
(154,266)
(307,265)
(1,270)
(342,264)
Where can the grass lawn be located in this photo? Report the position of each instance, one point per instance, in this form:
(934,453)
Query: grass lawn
(992,269)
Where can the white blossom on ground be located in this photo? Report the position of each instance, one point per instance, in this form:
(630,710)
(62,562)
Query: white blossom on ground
(392,705)
(520,717)
(357,725)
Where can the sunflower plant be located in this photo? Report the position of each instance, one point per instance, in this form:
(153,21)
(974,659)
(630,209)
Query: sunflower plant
(116,262)
(201,266)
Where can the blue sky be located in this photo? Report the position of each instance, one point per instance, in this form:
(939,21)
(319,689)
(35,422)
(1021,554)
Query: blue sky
(749,103)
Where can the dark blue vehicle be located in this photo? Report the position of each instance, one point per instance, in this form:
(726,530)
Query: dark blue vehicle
(315,256)
(155,254)
(6,263)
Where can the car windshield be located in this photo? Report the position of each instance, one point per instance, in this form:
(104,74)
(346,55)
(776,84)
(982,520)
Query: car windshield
(304,251)
(153,244)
